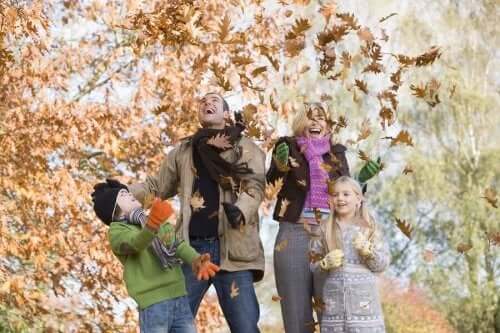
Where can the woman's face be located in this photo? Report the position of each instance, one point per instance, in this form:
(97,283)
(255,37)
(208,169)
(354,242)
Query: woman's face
(317,126)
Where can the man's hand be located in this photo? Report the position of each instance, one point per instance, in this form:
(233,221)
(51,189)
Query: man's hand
(333,259)
(281,155)
(160,212)
(363,245)
(203,268)
(234,215)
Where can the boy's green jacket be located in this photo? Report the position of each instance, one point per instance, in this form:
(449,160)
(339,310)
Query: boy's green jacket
(146,281)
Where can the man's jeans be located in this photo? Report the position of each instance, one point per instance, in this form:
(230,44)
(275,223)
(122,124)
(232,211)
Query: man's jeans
(241,311)
(169,316)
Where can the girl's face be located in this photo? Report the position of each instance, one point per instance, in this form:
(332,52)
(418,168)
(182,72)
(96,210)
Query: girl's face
(316,126)
(345,201)
(126,203)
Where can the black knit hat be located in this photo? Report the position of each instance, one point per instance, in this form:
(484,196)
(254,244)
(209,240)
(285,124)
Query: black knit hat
(104,198)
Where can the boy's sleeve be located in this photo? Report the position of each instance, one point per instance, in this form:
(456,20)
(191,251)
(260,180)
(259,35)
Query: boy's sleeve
(184,251)
(126,240)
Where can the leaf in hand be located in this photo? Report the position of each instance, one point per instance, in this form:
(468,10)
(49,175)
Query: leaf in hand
(405,227)
(281,245)
(220,141)
(491,196)
(462,247)
(235,291)
(283,207)
(197,201)
(273,189)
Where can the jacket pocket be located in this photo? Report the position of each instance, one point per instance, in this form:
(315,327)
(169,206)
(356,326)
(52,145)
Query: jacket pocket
(243,244)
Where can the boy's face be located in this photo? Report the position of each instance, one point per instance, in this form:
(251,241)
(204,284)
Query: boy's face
(126,203)
(211,112)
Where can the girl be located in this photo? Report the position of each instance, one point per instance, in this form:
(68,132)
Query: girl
(305,163)
(352,250)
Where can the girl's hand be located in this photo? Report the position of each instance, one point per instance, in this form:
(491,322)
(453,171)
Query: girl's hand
(363,245)
(333,259)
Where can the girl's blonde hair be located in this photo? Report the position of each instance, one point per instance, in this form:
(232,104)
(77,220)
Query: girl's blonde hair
(330,228)
(300,120)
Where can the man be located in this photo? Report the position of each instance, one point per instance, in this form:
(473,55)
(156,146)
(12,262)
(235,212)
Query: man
(219,177)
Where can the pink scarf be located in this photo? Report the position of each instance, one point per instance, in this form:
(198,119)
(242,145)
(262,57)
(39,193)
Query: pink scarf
(313,150)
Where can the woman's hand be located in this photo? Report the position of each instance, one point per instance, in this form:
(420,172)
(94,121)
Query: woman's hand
(281,156)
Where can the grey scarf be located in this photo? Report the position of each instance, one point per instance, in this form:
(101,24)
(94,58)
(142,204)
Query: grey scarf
(165,255)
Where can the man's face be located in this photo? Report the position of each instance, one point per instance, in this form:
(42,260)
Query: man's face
(211,112)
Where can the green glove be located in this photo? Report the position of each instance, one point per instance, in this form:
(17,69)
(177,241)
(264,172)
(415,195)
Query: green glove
(370,169)
(281,156)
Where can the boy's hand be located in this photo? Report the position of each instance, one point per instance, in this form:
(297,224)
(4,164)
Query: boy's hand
(281,156)
(203,268)
(160,212)
(234,215)
(332,260)
(363,245)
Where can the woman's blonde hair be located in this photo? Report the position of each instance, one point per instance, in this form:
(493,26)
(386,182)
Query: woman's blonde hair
(300,120)
(362,218)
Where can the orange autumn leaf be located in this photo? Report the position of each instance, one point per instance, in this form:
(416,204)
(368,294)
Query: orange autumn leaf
(272,190)
(235,290)
(281,245)
(490,195)
(405,227)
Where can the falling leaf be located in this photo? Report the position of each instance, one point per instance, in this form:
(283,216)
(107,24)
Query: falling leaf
(362,85)
(363,156)
(273,189)
(494,238)
(452,90)
(405,227)
(276,298)
(328,10)
(462,247)
(364,131)
(364,34)
(314,257)
(259,70)
(293,162)
(386,17)
(235,291)
(326,167)
(402,137)
(408,169)
(224,28)
(302,182)
(491,196)
(428,255)
(220,141)
(318,304)
(197,201)
(300,26)
(281,245)
(283,207)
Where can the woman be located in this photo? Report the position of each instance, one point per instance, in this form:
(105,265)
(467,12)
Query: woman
(306,162)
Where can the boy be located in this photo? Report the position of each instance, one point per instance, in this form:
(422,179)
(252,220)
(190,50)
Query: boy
(149,252)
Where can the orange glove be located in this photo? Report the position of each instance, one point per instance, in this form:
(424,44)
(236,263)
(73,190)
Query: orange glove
(203,268)
(160,212)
